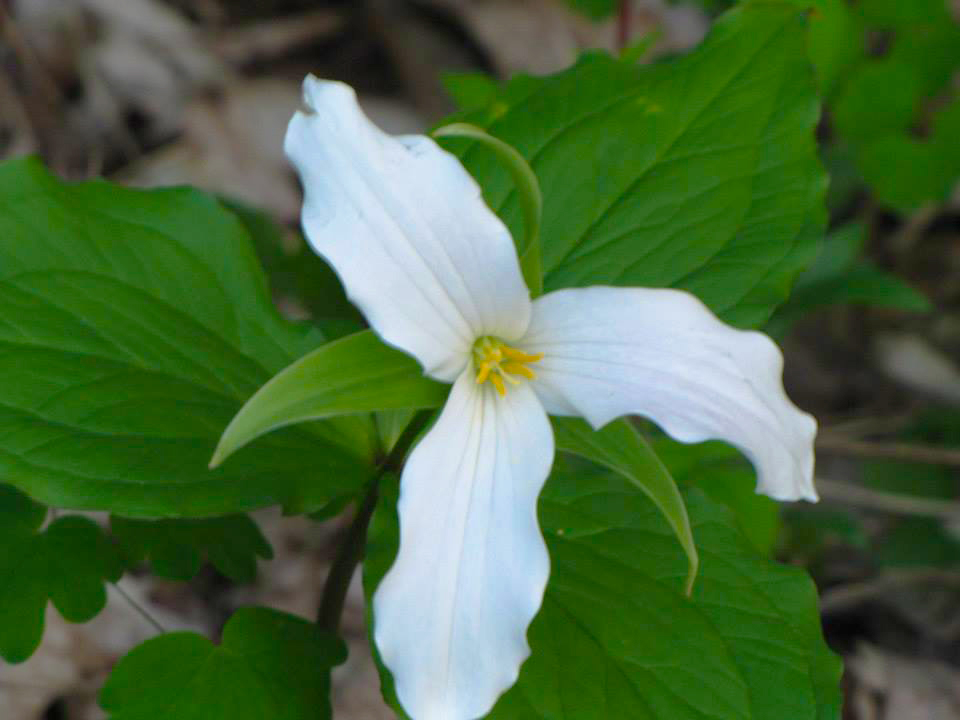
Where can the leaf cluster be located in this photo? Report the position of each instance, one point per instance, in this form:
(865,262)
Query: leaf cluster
(140,323)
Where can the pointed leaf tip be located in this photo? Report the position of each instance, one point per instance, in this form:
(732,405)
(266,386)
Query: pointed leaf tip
(619,447)
(353,375)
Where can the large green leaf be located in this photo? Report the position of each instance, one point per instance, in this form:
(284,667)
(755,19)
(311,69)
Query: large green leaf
(619,447)
(269,665)
(355,374)
(135,325)
(699,173)
(728,478)
(616,636)
(66,563)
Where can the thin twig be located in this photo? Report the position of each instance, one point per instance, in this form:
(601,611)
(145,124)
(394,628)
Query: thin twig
(904,452)
(888,424)
(142,611)
(352,548)
(851,595)
(275,38)
(858,496)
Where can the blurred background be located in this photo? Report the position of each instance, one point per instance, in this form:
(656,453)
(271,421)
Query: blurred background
(160,92)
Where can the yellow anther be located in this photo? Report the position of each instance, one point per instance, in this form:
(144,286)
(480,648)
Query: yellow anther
(483,373)
(489,354)
(520,356)
(517,368)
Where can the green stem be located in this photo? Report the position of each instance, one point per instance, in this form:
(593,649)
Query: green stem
(351,549)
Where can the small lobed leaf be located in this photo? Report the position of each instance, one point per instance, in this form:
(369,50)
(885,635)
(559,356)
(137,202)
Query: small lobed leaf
(838,276)
(66,563)
(268,665)
(175,548)
(895,110)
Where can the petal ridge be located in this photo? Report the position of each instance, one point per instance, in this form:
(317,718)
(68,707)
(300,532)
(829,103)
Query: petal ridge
(662,354)
(405,228)
(451,614)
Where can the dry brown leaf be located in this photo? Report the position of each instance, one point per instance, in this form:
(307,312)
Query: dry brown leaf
(233,144)
(545,36)
(893,687)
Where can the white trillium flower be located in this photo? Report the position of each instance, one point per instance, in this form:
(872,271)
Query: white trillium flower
(435,272)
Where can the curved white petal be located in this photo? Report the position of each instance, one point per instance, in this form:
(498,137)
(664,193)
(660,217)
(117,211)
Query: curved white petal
(662,354)
(404,225)
(450,618)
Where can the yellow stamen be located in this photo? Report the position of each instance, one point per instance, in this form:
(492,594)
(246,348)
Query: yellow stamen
(483,374)
(516,368)
(520,356)
(501,364)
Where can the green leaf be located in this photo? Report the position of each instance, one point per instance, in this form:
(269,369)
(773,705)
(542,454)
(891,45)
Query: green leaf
(268,665)
(297,273)
(918,542)
(699,173)
(470,91)
(596,9)
(881,98)
(894,110)
(838,277)
(66,563)
(175,547)
(836,43)
(925,170)
(136,325)
(619,447)
(728,478)
(617,638)
(356,374)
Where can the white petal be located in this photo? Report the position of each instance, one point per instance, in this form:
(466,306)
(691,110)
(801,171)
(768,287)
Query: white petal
(662,354)
(451,615)
(404,225)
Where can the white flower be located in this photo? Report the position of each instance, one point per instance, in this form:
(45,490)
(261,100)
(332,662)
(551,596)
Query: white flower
(436,274)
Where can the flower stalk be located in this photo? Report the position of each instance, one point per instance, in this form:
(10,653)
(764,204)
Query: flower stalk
(351,548)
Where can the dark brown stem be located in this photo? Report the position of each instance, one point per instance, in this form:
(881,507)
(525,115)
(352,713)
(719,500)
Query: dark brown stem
(623,24)
(351,549)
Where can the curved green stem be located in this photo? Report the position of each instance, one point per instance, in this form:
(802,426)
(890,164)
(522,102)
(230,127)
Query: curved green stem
(528,190)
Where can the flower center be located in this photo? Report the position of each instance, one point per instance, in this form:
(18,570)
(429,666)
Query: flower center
(499,363)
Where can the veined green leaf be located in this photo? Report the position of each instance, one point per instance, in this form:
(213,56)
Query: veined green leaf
(269,665)
(135,324)
(746,646)
(699,173)
(356,374)
(619,447)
